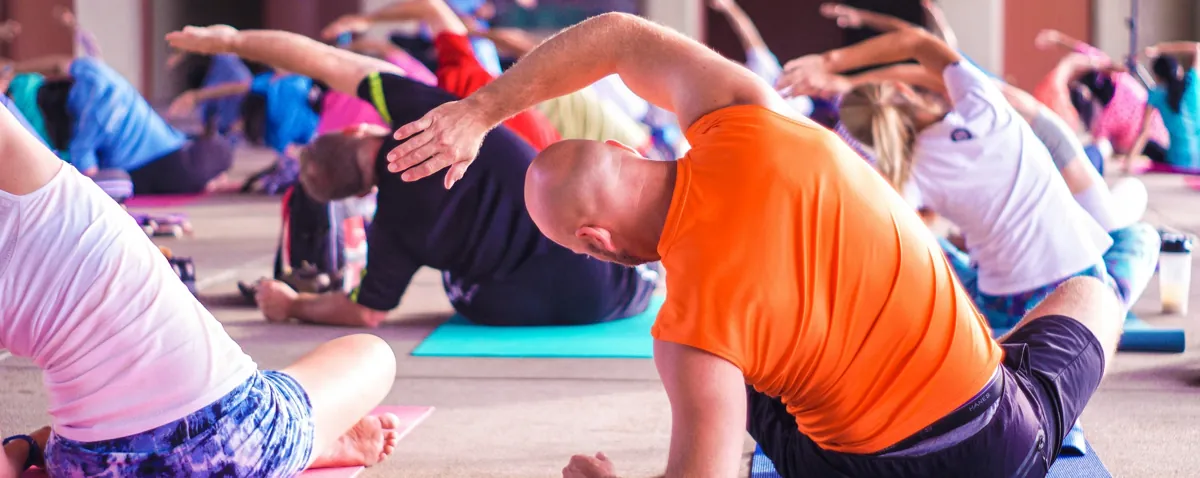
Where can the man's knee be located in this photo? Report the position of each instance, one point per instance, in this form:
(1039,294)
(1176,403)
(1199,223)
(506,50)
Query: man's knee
(1089,301)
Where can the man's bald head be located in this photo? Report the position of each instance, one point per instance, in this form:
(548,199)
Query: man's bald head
(601,199)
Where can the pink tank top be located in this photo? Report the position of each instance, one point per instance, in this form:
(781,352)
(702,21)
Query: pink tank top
(339,111)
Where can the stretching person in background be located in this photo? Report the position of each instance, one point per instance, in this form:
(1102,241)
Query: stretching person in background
(513,275)
(6,77)
(219,96)
(759,58)
(458,71)
(1176,100)
(100,121)
(981,166)
(111,324)
(1122,100)
(84,38)
(818,261)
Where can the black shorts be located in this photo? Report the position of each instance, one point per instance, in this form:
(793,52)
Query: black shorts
(558,287)
(186,170)
(1051,367)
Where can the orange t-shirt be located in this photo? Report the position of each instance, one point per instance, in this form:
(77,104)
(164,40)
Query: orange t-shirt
(787,255)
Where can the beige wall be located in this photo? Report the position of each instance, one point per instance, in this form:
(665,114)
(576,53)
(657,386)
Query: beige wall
(1160,20)
(687,16)
(979,26)
(117,25)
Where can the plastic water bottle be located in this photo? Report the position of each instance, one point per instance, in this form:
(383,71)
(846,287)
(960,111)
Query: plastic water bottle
(1175,273)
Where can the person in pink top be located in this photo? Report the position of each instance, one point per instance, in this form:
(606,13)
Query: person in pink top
(1121,97)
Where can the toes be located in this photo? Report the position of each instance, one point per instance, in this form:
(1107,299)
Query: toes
(389,421)
(391,438)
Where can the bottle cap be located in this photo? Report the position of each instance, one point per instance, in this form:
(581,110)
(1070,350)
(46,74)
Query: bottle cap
(1176,243)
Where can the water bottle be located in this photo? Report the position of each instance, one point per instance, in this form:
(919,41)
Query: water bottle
(1175,273)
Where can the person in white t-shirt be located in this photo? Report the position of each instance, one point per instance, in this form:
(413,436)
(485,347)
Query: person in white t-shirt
(142,380)
(978,163)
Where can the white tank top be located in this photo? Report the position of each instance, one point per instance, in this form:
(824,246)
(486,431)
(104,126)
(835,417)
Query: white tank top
(123,345)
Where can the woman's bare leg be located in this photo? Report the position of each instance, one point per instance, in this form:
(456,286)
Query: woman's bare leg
(345,379)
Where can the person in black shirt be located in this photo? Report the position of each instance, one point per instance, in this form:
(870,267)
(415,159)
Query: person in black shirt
(497,267)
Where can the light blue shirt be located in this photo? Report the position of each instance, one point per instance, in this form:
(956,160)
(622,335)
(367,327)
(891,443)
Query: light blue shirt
(114,126)
(1183,126)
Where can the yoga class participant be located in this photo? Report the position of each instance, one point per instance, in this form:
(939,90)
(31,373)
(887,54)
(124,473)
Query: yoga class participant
(1024,231)
(1177,101)
(1122,103)
(837,334)
(513,275)
(97,120)
(458,71)
(142,380)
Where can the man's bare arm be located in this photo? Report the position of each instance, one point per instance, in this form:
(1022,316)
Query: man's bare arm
(342,70)
(662,66)
(333,309)
(909,43)
(708,411)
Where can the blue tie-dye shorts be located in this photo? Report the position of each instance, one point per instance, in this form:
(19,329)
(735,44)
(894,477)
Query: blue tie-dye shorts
(262,428)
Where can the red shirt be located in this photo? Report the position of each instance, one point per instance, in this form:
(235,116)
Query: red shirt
(459,72)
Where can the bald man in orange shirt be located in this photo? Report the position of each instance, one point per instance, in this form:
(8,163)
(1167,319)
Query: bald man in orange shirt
(807,303)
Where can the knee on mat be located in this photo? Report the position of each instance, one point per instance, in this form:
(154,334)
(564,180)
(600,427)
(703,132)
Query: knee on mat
(1086,292)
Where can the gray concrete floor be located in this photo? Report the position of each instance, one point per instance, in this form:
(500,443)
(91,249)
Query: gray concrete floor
(526,417)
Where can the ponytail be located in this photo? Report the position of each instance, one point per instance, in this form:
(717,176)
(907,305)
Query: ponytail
(878,117)
(1166,68)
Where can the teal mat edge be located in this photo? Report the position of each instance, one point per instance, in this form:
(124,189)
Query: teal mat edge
(429,346)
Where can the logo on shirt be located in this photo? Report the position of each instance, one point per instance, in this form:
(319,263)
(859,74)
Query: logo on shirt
(457,290)
(961,134)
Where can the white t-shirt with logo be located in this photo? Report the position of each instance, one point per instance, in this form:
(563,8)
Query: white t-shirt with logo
(124,346)
(983,169)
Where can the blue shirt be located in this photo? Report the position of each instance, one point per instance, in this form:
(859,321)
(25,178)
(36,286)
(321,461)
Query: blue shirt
(290,115)
(114,126)
(16,112)
(225,69)
(1183,126)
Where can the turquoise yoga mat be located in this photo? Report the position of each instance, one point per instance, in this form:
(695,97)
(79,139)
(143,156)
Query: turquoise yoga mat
(622,338)
(1086,466)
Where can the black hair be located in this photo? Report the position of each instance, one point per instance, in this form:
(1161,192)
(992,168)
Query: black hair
(1166,68)
(52,100)
(1083,104)
(1100,84)
(254,118)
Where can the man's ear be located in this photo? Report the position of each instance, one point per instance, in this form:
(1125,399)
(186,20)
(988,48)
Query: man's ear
(596,237)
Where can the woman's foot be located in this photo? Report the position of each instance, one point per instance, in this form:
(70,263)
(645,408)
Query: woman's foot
(370,441)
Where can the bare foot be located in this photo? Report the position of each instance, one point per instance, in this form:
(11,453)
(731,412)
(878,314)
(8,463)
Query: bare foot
(371,441)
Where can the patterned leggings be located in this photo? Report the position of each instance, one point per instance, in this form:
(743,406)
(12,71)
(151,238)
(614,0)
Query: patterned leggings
(263,428)
(1128,266)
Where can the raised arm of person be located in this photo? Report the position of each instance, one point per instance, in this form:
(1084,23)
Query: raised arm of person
(26,162)
(1051,38)
(759,58)
(939,23)
(905,44)
(341,70)
(1187,51)
(662,66)
(84,38)
(851,17)
(186,102)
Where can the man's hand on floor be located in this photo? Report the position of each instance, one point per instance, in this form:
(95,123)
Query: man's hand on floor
(274,299)
(587,466)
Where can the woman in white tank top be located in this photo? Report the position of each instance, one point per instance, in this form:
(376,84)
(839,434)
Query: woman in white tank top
(142,380)
(978,163)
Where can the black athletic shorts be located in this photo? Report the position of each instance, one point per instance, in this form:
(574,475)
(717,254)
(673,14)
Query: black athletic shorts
(186,170)
(1051,367)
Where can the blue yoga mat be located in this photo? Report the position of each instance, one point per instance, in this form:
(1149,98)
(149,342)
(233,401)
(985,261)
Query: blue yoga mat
(1086,466)
(622,338)
(1140,336)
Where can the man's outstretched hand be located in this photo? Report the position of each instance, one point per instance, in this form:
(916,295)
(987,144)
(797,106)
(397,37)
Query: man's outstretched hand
(209,40)
(448,136)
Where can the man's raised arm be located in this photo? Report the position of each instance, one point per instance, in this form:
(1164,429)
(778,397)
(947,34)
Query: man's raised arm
(660,65)
(340,69)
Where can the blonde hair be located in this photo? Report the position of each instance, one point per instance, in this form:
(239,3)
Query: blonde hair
(878,116)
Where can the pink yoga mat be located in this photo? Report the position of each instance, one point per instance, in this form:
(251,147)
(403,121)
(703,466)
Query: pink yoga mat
(410,417)
(164,200)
